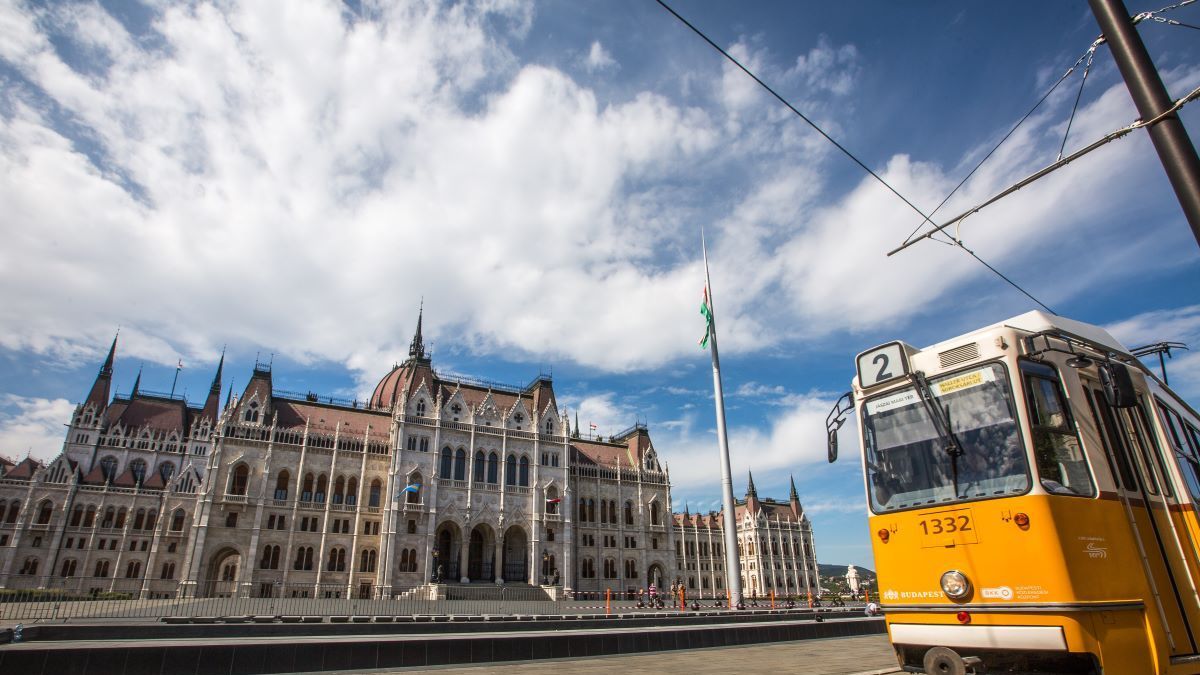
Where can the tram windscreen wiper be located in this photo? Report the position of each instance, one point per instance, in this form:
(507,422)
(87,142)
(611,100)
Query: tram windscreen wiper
(941,423)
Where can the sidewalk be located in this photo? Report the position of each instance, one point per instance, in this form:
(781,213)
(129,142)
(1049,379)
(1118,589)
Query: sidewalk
(840,656)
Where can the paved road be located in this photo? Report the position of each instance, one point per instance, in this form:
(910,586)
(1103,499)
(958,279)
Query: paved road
(840,656)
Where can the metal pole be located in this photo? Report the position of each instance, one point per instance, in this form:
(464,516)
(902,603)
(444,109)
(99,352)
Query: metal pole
(733,567)
(1169,136)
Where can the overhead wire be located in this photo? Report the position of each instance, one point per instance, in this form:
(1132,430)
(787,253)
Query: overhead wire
(839,146)
(1104,140)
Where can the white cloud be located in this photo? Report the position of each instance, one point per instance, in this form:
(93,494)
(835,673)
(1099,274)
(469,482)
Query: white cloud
(302,189)
(1169,325)
(598,58)
(33,425)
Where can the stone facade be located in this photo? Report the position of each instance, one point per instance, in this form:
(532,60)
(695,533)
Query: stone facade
(775,549)
(283,494)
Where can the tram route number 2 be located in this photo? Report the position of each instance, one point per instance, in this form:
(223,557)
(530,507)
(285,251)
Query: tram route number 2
(882,364)
(948,528)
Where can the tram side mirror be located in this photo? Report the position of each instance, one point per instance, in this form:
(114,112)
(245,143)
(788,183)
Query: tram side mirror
(832,444)
(834,421)
(1118,385)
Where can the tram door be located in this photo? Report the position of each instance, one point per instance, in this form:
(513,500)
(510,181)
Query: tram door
(1140,468)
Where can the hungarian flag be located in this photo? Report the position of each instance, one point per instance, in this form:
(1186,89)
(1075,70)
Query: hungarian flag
(553,501)
(706,310)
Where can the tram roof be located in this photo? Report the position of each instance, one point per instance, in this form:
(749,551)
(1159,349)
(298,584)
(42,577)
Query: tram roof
(1038,321)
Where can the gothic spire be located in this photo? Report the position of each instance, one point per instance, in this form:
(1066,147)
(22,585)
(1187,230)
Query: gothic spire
(215,389)
(416,349)
(137,383)
(794,496)
(98,396)
(750,491)
(211,410)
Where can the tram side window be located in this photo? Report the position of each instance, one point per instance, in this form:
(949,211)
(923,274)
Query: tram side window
(1147,442)
(1062,466)
(1106,427)
(1184,448)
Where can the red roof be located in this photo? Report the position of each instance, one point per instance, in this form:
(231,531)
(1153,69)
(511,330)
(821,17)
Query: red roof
(24,470)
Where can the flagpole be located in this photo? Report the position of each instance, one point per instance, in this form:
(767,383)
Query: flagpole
(733,578)
(176,380)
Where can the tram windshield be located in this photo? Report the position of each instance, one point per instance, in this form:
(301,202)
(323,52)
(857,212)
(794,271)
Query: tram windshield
(910,462)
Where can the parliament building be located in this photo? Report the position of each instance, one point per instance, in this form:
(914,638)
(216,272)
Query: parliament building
(435,478)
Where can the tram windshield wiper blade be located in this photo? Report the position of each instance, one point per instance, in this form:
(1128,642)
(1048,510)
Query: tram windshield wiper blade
(941,423)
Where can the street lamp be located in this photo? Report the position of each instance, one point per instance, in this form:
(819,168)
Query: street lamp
(545,565)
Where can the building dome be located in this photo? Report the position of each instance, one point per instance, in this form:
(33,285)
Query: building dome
(387,392)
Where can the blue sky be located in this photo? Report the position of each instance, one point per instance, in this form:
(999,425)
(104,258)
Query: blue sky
(294,177)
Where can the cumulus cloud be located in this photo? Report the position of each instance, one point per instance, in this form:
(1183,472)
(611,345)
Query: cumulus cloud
(219,180)
(33,426)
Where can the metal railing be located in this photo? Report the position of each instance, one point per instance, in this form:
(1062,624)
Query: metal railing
(56,598)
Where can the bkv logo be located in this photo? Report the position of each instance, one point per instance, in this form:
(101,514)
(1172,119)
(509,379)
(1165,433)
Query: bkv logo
(890,594)
(1095,551)
(997,593)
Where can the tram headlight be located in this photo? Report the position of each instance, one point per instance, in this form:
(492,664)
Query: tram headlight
(955,585)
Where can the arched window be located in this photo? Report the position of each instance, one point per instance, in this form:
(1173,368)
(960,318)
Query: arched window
(89,518)
(367,560)
(138,468)
(177,520)
(30,566)
(281,484)
(339,490)
(150,518)
(376,493)
(460,464)
(582,515)
(612,512)
(510,470)
(628,512)
(493,468)
(592,510)
(101,568)
(139,519)
(551,499)
(108,467)
(414,496)
(45,510)
(654,513)
(109,515)
(337,560)
(322,486)
(403,560)
(524,471)
(241,476)
(352,491)
(603,511)
(421,407)
(447,463)
(76,514)
(133,570)
(68,567)
(306,492)
(120,518)
(252,412)
(166,471)
(480,462)
(549,426)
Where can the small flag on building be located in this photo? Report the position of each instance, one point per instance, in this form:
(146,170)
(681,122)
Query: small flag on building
(592,425)
(555,500)
(415,487)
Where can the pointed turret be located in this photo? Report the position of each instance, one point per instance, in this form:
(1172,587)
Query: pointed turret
(229,396)
(751,495)
(97,398)
(794,499)
(416,349)
(137,384)
(213,402)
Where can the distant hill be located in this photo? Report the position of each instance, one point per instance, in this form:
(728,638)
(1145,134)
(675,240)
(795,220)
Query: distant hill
(840,571)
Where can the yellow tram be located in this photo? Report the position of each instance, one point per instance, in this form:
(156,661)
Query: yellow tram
(1032,492)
